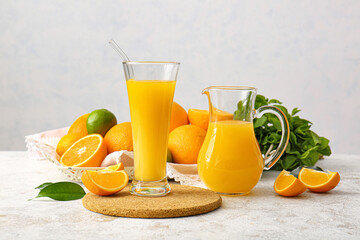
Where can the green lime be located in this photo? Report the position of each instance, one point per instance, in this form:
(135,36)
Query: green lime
(100,121)
(169,157)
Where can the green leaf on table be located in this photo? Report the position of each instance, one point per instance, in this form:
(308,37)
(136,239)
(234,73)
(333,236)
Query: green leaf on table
(61,191)
(44,185)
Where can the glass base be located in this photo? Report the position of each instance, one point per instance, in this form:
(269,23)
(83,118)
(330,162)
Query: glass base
(150,189)
(233,194)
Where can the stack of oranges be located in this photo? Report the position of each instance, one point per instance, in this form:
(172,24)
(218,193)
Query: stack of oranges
(88,141)
(185,140)
(94,135)
(87,146)
(91,137)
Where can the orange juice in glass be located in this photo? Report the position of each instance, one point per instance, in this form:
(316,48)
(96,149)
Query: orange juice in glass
(151,87)
(230,161)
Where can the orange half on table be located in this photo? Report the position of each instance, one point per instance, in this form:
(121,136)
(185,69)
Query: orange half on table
(288,185)
(88,151)
(105,182)
(318,181)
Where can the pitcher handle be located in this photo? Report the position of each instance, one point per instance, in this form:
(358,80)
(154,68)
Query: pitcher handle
(285,133)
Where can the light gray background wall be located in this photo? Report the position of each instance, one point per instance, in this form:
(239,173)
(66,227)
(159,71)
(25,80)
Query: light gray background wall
(56,64)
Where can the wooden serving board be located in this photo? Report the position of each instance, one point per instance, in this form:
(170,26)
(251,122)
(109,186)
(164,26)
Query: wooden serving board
(181,201)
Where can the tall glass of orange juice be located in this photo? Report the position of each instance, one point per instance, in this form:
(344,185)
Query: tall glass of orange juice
(150,87)
(230,161)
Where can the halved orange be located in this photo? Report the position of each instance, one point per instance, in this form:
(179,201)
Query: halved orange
(116,167)
(104,182)
(88,151)
(288,185)
(318,181)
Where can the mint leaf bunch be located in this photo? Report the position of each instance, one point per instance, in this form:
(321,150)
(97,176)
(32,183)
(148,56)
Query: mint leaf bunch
(305,146)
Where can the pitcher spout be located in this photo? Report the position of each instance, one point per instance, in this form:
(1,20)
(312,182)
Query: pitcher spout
(205,91)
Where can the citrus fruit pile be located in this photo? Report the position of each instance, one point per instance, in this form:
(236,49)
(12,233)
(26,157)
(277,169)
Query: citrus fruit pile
(89,140)
(186,140)
(94,135)
(91,137)
(316,180)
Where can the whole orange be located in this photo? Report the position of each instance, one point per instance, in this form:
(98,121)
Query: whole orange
(79,126)
(185,143)
(179,116)
(119,137)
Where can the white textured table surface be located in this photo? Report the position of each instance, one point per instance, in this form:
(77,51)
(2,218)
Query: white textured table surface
(261,214)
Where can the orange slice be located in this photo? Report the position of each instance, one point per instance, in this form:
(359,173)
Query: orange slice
(104,182)
(116,167)
(288,185)
(318,181)
(88,151)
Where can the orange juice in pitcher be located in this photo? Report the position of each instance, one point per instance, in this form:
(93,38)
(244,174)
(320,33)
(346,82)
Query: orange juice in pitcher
(241,162)
(230,160)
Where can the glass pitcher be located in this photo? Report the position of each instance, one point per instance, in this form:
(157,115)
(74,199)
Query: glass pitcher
(230,161)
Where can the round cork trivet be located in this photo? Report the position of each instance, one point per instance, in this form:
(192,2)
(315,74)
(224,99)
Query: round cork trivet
(181,201)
